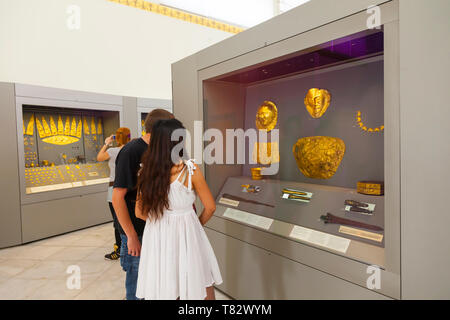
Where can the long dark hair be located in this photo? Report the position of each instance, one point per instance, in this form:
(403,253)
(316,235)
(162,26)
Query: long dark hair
(154,177)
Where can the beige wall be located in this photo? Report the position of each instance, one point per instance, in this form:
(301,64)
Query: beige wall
(425,148)
(118,49)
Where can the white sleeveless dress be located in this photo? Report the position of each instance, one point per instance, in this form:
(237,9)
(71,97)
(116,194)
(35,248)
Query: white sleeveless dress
(177,260)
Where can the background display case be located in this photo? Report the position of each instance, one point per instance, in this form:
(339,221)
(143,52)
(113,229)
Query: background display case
(146,105)
(61,147)
(50,175)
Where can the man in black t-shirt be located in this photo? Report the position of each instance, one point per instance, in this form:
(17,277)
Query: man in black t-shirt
(128,163)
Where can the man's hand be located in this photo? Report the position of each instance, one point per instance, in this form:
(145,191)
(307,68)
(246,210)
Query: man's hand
(134,246)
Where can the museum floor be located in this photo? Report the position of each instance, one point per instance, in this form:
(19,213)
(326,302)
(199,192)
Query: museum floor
(38,270)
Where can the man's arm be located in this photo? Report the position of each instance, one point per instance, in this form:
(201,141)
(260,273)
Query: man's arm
(120,207)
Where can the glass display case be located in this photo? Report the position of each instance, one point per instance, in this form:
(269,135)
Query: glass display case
(142,118)
(61,146)
(318,178)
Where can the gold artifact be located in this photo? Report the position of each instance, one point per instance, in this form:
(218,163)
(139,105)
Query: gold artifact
(53,127)
(59,134)
(266,153)
(317,102)
(67,127)
(86,127)
(364,127)
(100,129)
(143,127)
(93,128)
(374,188)
(267,116)
(60,126)
(319,157)
(30,127)
(256,173)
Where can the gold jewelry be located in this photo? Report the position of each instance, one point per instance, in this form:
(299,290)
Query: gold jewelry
(364,127)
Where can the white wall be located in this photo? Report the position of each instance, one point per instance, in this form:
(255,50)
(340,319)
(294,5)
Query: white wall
(118,49)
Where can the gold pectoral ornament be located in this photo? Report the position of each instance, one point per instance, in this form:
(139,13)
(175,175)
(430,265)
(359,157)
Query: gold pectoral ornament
(267,116)
(319,157)
(317,102)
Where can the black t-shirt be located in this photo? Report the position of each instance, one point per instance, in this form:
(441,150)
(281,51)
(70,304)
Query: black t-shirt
(128,163)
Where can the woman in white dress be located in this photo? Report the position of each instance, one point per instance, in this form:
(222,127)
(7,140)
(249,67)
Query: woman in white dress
(177,260)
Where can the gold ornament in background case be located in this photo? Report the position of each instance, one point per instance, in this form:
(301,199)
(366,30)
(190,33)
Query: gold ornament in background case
(317,102)
(319,157)
(364,128)
(266,153)
(267,116)
(373,188)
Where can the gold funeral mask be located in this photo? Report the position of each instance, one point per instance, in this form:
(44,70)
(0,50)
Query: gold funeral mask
(319,157)
(267,116)
(317,102)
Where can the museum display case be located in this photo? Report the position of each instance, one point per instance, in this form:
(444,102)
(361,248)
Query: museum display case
(309,197)
(327,104)
(61,146)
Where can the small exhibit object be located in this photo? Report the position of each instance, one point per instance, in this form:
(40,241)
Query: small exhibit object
(374,188)
(296,195)
(331,219)
(250,188)
(359,207)
(240,199)
(256,173)
(364,128)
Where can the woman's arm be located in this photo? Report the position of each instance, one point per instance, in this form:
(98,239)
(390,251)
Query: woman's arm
(202,190)
(138,209)
(102,154)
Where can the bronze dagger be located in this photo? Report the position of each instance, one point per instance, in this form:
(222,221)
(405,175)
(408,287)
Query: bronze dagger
(329,218)
(235,198)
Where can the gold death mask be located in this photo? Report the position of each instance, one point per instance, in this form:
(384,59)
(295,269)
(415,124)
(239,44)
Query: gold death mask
(317,102)
(267,116)
(319,157)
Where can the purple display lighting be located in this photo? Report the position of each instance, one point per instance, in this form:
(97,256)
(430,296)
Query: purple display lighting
(346,49)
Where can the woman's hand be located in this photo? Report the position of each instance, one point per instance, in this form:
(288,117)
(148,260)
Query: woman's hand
(109,140)
(202,190)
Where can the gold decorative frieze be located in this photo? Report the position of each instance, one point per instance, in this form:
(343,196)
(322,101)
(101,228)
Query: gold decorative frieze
(59,132)
(179,14)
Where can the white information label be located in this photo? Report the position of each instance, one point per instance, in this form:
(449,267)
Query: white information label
(229,202)
(96,181)
(321,239)
(248,218)
(361,233)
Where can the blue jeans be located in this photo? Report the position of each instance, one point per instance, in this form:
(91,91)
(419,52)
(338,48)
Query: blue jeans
(130,265)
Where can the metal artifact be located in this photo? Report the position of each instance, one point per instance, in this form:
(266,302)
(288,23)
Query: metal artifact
(319,157)
(317,102)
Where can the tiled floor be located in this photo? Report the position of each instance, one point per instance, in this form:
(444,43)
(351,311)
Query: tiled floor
(39,270)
